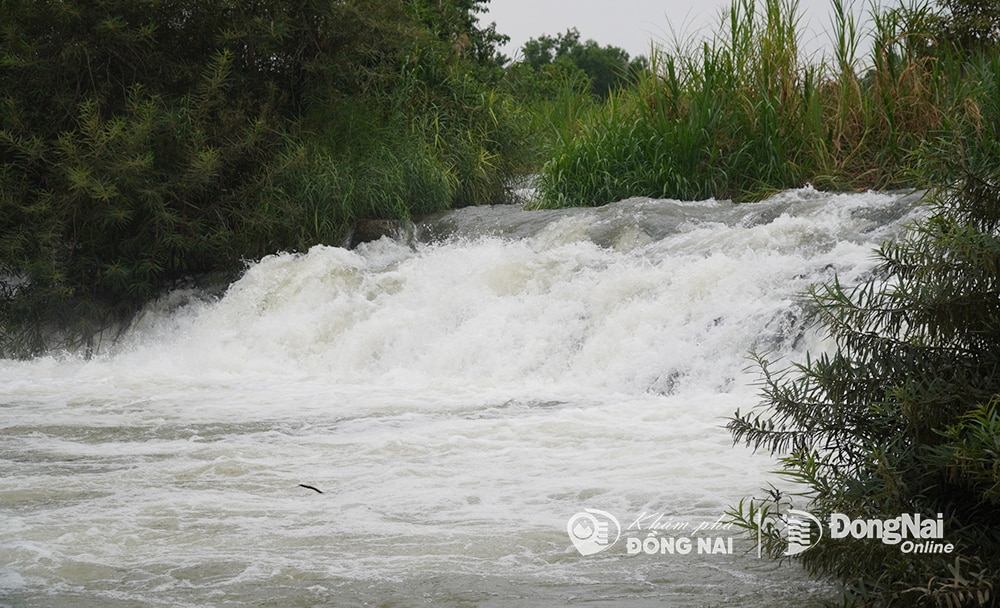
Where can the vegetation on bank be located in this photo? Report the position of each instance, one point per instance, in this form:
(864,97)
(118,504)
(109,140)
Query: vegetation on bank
(604,69)
(145,142)
(901,417)
(744,114)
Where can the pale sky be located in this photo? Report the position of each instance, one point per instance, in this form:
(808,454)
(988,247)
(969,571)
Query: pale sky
(632,24)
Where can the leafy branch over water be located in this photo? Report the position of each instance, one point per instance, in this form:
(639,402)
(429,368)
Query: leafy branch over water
(902,416)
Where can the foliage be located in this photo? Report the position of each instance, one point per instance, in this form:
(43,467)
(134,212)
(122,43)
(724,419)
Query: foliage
(972,23)
(902,416)
(456,23)
(554,107)
(144,142)
(742,114)
(607,68)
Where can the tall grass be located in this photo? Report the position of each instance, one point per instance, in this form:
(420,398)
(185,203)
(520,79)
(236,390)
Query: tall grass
(743,114)
(419,150)
(555,105)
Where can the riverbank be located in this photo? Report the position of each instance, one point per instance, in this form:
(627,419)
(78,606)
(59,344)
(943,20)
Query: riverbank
(744,114)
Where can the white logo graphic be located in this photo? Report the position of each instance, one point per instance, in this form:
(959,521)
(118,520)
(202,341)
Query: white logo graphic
(913,532)
(591,531)
(799,531)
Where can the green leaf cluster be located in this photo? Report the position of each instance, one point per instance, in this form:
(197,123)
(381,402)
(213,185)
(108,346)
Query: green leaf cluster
(745,113)
(605,68)
(972,23)
(146,142)
(902,416)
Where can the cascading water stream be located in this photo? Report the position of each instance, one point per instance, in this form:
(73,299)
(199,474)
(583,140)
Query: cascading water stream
(456,399)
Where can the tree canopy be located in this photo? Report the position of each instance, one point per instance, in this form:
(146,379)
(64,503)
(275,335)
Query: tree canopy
(143,141)
(972,23)
(606,67)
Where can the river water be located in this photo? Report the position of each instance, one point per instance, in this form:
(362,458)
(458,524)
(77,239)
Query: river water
(457,400)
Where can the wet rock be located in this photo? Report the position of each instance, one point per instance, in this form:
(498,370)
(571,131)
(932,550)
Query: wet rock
(366,231)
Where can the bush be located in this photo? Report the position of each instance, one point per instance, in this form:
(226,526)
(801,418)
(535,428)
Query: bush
(145,142)
(743,114)
(902,416)
(97,218)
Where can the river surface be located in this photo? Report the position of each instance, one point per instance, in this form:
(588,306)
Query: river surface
(458,400)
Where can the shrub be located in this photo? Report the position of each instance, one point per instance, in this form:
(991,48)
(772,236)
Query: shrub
(902,416)
(145,142)
(742,115)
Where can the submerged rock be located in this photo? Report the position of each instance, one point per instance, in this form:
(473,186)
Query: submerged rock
(365,231)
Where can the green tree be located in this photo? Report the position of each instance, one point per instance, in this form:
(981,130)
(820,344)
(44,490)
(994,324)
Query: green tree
(606,67)
(457,23)
(145,141)
(972,23)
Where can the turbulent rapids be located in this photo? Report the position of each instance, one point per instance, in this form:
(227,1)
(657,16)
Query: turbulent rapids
(415,423)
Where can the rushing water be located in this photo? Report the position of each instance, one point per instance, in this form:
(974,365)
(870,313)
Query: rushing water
(457,400)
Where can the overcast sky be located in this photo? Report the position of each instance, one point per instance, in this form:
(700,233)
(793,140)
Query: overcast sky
(632,24)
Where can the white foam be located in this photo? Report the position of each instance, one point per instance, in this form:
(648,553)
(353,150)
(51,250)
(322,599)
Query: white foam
(456,402)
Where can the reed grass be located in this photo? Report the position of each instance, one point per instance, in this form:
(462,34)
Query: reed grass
(743,114)
(420,150)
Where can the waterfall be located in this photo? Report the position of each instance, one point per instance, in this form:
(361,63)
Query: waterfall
(456,398)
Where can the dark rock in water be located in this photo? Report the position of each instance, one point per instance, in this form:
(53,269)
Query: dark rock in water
(365,231)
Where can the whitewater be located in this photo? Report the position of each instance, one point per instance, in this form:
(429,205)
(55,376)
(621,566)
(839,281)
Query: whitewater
(413,423)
